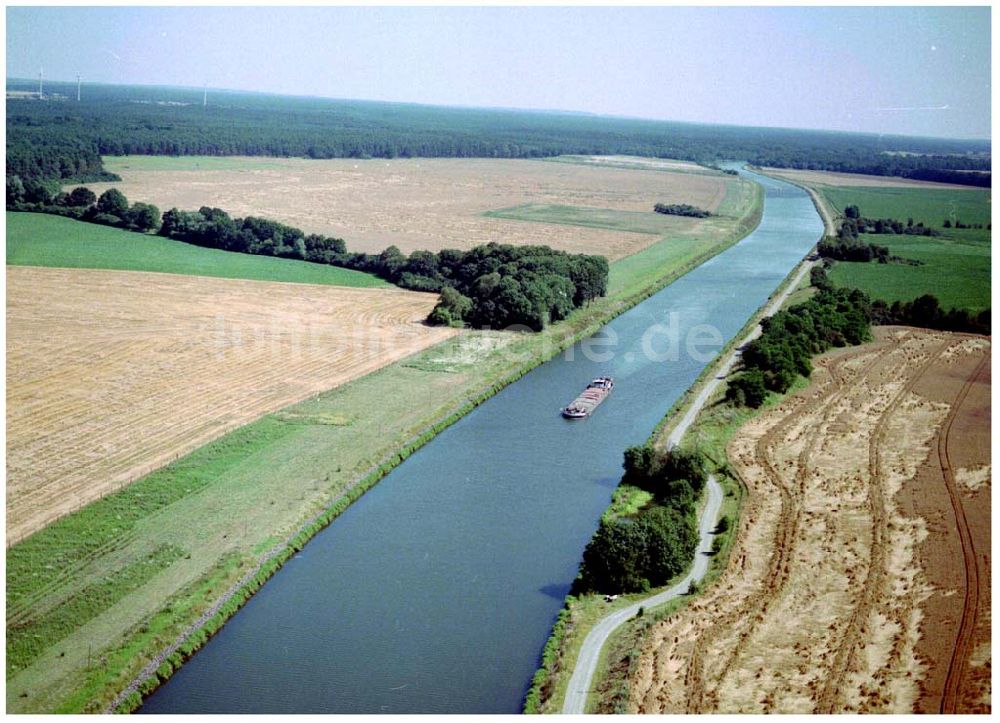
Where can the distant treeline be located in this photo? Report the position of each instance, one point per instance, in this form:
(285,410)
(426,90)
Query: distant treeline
(495,285)
(681,209)
(630,554)
(65,139)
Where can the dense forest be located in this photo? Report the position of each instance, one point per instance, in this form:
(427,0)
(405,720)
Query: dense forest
(629,554)
(65,139)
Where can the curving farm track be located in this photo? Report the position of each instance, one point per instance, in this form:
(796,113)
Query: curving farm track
(958,663)
(833,589)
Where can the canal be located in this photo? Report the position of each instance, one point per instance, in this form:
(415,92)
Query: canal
(435,592)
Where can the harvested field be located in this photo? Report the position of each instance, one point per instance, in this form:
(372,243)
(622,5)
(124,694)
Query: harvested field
(846,589)
(424,203)
(820,179)
(112,374)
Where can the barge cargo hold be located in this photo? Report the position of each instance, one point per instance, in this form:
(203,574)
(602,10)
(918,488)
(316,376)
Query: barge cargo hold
(585,404)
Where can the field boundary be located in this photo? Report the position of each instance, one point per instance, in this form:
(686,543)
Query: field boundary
(156,672)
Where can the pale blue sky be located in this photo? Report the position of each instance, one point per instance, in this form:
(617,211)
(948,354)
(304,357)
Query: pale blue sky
(886,70)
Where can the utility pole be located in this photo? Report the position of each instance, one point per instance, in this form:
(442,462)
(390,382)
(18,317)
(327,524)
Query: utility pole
(77,87)
(204,99)
(40,71)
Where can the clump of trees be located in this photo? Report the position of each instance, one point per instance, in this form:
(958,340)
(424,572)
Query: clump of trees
(783,351)
(499,285)
(681,209)
(110,209)
(851,248)
(635,553)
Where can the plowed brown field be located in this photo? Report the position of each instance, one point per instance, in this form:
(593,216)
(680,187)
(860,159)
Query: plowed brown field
(111,374)
(859,581)
(426,203)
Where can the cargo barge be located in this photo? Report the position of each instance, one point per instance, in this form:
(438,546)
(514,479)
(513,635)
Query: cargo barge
(585,404)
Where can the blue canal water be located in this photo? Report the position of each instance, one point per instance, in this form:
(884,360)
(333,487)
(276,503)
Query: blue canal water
(436,591)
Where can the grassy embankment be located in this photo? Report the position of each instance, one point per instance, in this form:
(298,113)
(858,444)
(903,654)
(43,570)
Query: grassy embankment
(36,239)
(710,433)
(234,509)
(955,265)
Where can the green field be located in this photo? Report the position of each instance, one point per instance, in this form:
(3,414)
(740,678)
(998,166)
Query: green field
(35,239)
(956,272)
(929,205)
(649,222)
(955,266)
(98,593)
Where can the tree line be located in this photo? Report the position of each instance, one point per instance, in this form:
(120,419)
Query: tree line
(854,223)
(636,553)
(66,139)
(494,285)
(82,204)
(681,209)
(926,311)
(791,337)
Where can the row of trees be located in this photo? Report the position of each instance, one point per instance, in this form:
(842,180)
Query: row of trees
(681,209)
(629,554)
(854,223)
(110,209)
(66,140)
(494,286)
(790,338)
(959,224)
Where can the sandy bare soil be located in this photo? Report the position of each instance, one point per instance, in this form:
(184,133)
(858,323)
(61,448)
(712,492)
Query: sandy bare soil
(857,180)
(111,374)
(426,203)
(846,590)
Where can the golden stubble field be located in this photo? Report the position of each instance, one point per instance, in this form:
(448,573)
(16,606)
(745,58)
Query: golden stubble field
(859,581)
(112,374)
(425,203)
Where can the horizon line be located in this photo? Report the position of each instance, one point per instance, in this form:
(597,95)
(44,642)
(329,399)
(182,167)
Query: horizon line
(592,114)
